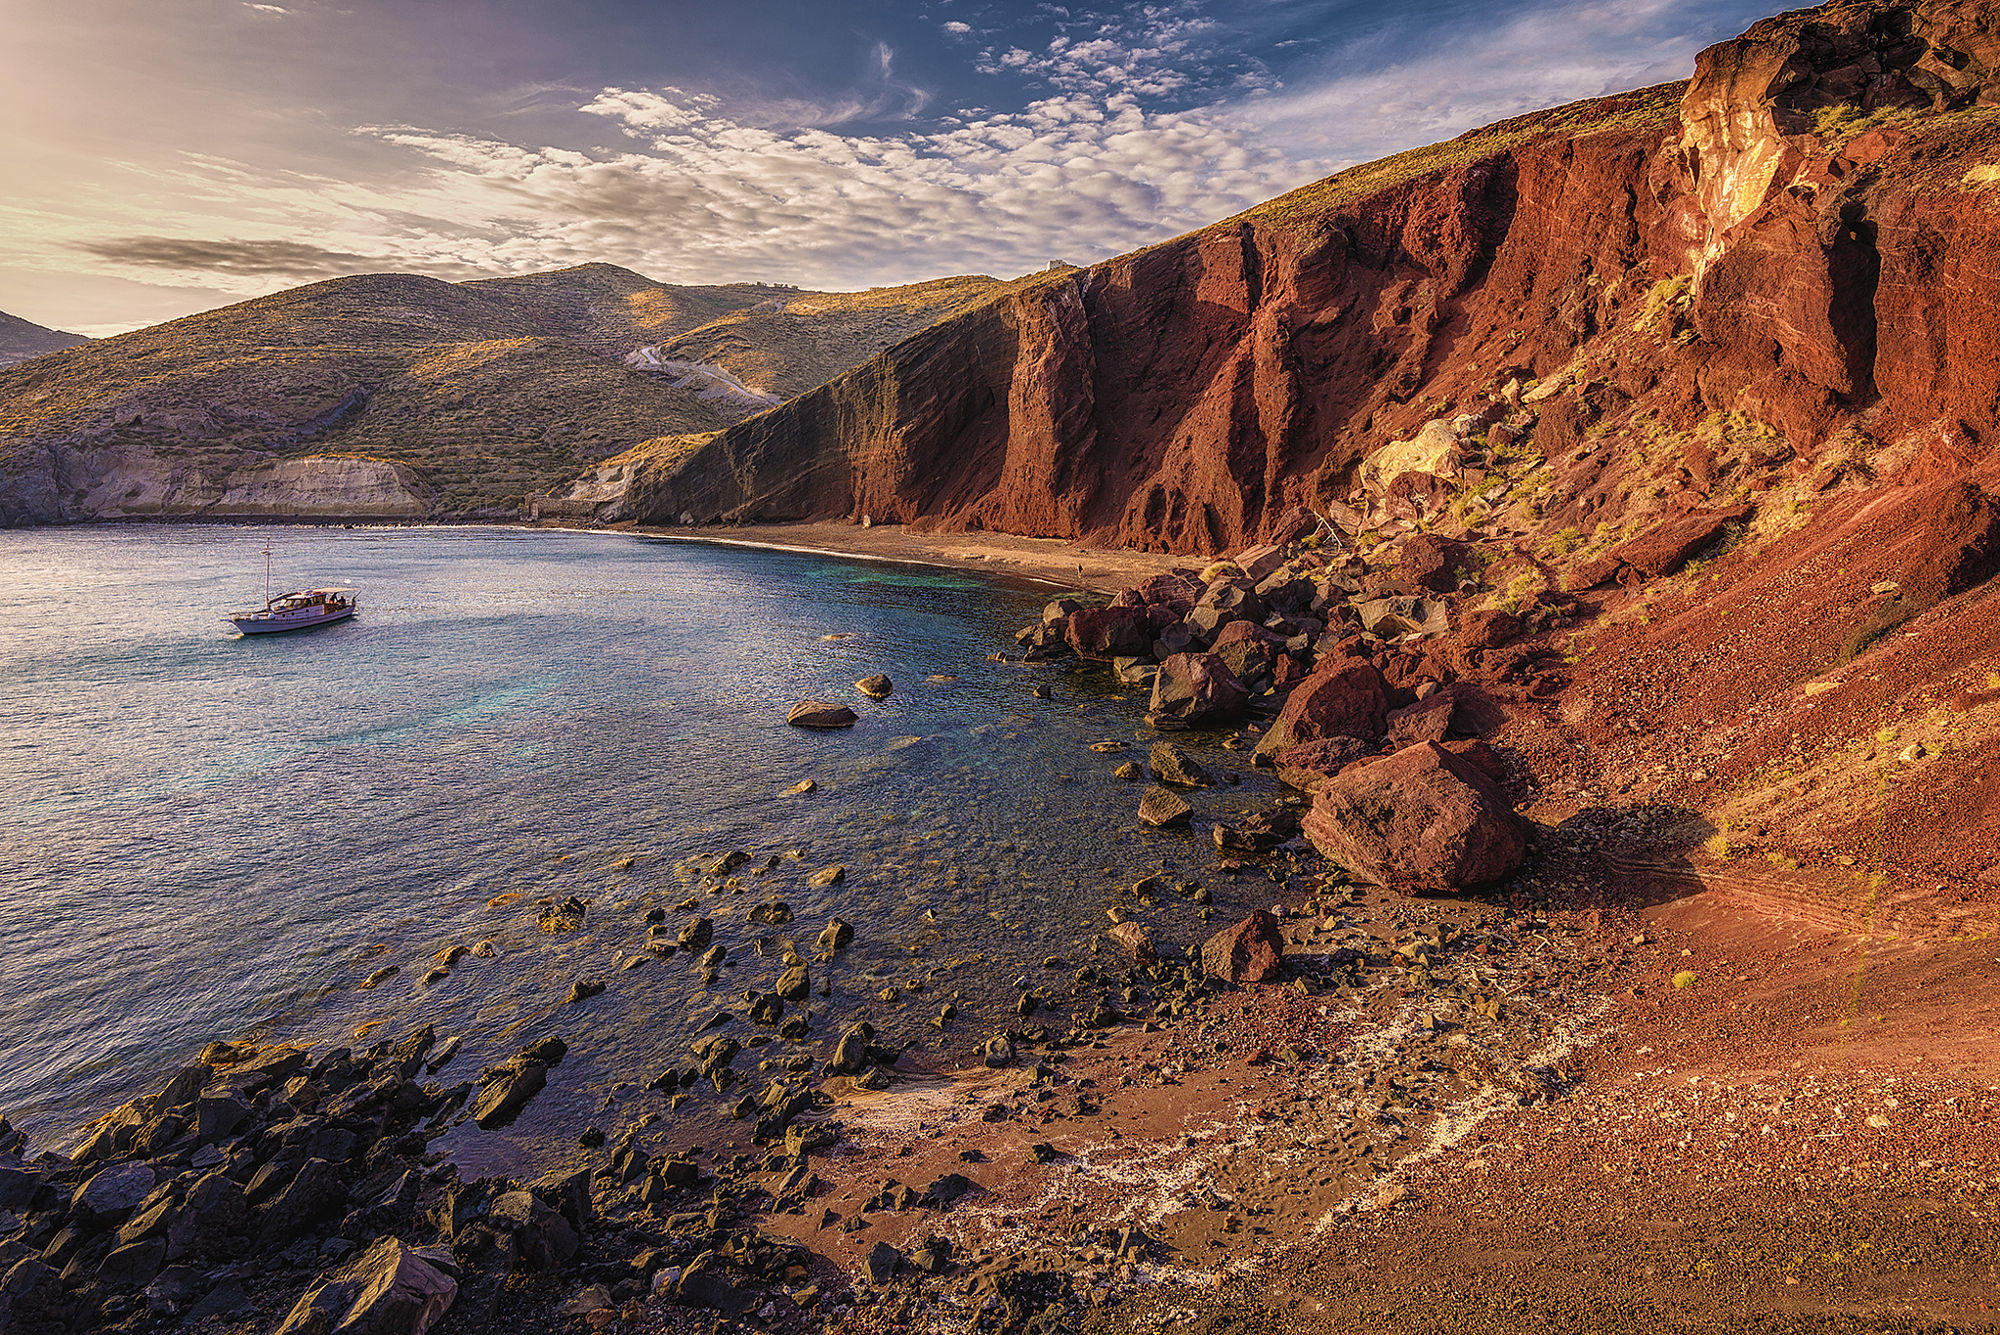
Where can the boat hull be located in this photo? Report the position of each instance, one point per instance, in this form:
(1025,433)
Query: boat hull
(277,624)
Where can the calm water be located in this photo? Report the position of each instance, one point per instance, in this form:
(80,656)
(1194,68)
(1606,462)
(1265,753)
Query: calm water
(204,836)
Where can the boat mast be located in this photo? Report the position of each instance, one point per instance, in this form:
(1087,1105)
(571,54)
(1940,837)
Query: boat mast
(267,571)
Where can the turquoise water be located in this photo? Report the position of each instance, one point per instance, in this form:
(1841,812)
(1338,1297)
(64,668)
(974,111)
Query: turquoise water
(207,836)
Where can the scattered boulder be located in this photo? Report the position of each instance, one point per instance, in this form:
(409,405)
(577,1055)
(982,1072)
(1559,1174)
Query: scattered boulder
(543,1239)
(389,1289)
(1160,807)
(826,876)
(1307,767)
(875,687)
(1344,697)
(1250,952)
(1489,628)
(1195,688)
(1110,632)
(1421,818)
(1428,720)
(820,714)
(1430,562)
(1131,938)
(1175,766)
(837,933)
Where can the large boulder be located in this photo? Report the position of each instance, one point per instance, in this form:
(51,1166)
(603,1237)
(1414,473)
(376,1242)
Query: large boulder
(1344,697)
(1194,689)
(1110,632)
(1173,589)
(1250,952)
(1664,549)
(1307,767)
(1420,819)
(389,1289)
(1431,562)
(543,1239)
(1160,807)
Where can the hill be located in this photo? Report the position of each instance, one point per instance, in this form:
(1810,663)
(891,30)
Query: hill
(394,395)
(1695,384)
(20,340)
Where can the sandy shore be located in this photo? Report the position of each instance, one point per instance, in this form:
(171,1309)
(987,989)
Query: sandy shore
(1044,560)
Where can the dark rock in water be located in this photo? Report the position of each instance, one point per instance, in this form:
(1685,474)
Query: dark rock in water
(1129,770)
(583,990)
(389,1289)
(876,687)
(566,916)
(507,1090)
(776,913)
(696,935)
(1175,766)
(1194,688)
(826,876)
(820,714)
(1250,952)
(795,984)
(543,1239)
(767,1008)
(884,1260)
(1256,833)
(1161,807)
(1420,819)
(836,935)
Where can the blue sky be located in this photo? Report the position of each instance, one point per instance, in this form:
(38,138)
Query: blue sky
(173,156)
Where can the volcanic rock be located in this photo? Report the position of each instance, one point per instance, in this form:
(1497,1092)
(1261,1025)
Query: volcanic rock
(1194,688)
(1419,819)
(1250,952)
(1344,697)
(820,714)
(1161,807)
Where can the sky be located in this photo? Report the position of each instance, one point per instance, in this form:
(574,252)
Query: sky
(171,156)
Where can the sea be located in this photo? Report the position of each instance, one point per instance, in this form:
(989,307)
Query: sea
(208,836)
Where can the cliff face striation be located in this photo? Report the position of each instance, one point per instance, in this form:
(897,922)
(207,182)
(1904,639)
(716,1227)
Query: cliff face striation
(1818,207)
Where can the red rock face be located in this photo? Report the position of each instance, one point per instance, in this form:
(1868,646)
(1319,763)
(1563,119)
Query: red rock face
(1344,697)
(1192,396)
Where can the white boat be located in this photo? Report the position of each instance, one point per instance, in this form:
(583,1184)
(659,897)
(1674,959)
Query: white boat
(298,611)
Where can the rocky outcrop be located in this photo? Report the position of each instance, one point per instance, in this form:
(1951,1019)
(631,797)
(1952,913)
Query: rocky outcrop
(1420,819)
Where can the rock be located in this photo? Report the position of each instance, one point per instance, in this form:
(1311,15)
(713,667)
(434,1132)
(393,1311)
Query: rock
(696,935)
(1430,562)
(507,1090)
(1131,938)
(112,1193)
(1250,952)
(1105,633)
(799,788)
(584,990)
(836,934)
(1129,770)
(1421,819)
(1257,563)
(133,1265)
(820,714)
(773,913)
(852,1056)
(1664,549)
(1428,720)
(883,1262)
(388,1290)
(1344,697)
(999,1051)
(876,687)
(1160,807)
(1489,629)
(795,984)
(543,1239)
(826,876)
(1307,767)
(1196,688)
(314,1195)
(1175,766)
(1400,615)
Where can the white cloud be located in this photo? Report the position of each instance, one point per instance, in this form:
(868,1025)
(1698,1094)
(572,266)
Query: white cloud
(957,29)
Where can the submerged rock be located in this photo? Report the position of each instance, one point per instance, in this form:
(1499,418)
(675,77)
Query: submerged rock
(820,714)
(876,687)
(1175,766)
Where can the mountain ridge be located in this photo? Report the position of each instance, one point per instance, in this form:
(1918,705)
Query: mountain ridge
(21,340)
